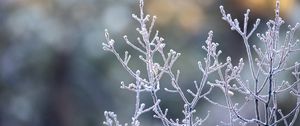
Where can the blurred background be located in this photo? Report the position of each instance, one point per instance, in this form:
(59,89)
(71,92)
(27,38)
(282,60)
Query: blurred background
(54,72)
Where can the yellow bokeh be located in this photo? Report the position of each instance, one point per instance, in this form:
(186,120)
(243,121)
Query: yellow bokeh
(186,14)
(190,17)
(165,10)
(264,7)
(286,5)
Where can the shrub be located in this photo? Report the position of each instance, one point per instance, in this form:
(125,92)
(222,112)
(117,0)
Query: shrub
(261,90)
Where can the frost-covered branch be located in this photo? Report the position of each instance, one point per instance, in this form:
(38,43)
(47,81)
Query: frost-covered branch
(271,63)
(261,90)
(149,45)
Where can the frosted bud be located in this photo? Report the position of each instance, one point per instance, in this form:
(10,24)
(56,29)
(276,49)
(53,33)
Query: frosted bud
(162,45)
(147,17)
(258,35)
(132,86)
(248,10)
(105,48)
(230,93)
(122,84)
(111,42)
(158,100)
(142,105)
(293,29)
(166,110)
(140,56)
(138,72)
(141,3)
(105,113)
(156,67)
(234,86)
(104,44)
(200,64)
(236,21)
(222,8)
(219,52)
(257,21)
(106,33)
(241,60)
(235,67)
(210,33)
(228,59)
(134,16)
(186,105)
(232,28)
(235,105)
(125,37)
(172,52)
(228,16)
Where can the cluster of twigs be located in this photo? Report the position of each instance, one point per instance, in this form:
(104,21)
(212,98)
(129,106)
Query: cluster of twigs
(261,90)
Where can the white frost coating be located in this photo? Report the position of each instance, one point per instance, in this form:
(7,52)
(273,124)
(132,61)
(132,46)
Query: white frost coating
(271,62)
